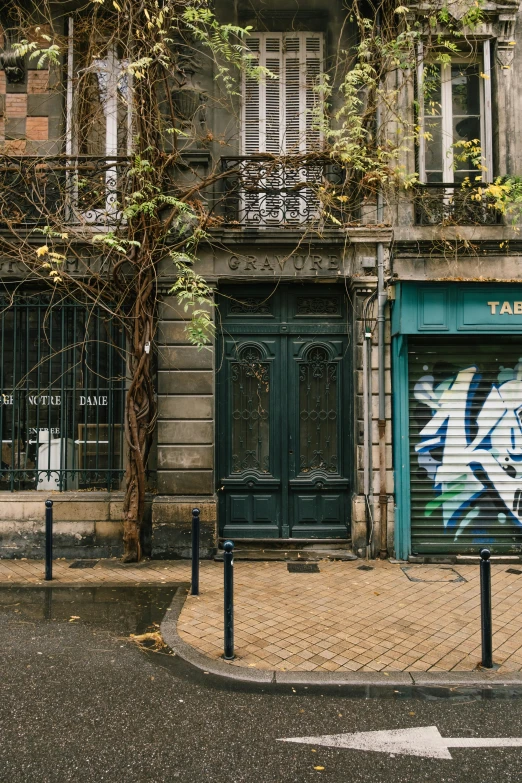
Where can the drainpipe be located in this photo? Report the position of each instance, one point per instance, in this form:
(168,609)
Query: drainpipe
(381,325)
(368,451)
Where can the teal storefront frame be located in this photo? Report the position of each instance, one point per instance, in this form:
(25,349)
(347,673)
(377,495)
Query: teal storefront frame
(445,310)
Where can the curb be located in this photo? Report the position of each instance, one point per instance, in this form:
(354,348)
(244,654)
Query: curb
(380,681)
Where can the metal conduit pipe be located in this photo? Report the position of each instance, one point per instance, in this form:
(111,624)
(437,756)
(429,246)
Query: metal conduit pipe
(381,325)
(367,432)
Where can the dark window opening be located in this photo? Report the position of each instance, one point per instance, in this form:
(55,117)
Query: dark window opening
(62,394)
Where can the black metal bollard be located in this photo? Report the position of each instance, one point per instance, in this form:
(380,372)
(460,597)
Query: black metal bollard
(195,552)
(485,609)
(228,559)
(48,540)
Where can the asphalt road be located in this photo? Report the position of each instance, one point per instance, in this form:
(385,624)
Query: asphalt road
(79,701)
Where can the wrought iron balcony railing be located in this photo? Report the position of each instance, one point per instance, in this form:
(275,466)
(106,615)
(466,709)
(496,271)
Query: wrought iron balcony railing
(453,203)
(265,191)
(79,190)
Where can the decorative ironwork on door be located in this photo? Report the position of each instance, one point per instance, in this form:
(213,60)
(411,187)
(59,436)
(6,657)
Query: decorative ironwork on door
(318,413)
(283,445)
(250,379)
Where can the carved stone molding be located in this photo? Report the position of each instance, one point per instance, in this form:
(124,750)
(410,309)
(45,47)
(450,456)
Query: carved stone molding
(505,56)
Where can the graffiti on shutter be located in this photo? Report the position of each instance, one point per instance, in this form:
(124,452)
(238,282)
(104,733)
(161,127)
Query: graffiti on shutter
(466,446)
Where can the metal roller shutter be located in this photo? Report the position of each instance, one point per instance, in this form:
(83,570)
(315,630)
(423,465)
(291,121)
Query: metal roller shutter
(465,402)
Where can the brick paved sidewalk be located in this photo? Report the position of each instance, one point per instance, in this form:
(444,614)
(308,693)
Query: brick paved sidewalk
(340,619)
(109,571)
(348,619)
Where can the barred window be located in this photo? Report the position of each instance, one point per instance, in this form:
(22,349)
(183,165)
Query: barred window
(62,393)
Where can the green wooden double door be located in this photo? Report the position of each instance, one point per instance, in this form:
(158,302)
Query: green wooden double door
(284,413)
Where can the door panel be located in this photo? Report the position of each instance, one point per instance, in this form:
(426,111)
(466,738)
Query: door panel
(251,479)
(284,413)
(318,388)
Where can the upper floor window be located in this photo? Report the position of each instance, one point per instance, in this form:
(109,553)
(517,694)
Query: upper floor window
(455,110)
(280,106)
(281,116)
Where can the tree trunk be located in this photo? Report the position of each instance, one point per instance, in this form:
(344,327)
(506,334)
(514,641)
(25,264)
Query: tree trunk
(140,416)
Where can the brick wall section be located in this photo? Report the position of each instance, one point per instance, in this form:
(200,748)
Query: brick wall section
(30,113)
(15,106)
(37,82)
(37,128)
(14,147)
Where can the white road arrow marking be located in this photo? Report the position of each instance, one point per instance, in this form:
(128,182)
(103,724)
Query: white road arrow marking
(424,741)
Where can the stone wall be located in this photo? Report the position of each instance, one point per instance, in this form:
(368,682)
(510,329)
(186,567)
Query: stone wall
(361,521)
(185,452)
(86,524)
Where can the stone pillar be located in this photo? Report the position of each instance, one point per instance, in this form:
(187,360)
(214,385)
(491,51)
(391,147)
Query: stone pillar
(360,512)
(185,452)
(507,103)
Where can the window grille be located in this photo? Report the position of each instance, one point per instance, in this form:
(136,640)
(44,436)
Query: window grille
(62,395)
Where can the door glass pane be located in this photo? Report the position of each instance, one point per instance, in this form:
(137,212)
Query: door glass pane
(318,412)
(250,379)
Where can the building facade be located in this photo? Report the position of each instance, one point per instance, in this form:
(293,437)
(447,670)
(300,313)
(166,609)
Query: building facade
(364,386)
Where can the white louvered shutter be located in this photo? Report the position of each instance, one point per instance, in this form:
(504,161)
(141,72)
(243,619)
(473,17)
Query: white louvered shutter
(251,119)
(278,119)
(303,58)
(313,97)
(262,97)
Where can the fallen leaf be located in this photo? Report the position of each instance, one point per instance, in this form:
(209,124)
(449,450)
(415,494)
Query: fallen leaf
(318,767)
(411,713)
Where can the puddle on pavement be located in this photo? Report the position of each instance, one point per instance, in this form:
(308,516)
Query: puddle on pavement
(122,610)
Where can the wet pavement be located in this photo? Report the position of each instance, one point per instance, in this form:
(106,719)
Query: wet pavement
(81,701)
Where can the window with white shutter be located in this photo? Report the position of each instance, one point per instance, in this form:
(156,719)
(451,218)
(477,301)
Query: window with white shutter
(279,113)
(279,118)
(456,108)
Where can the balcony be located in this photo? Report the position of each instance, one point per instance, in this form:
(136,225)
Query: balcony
(263,191)
(79,190)
(452,204)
